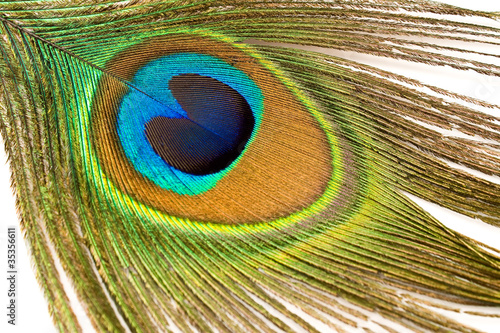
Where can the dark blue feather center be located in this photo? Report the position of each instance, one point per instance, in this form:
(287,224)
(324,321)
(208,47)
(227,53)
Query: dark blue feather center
(218,125)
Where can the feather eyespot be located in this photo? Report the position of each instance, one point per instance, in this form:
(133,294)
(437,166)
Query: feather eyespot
(171,135)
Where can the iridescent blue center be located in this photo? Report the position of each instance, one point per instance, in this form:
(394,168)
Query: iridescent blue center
(218,125)
(189,121)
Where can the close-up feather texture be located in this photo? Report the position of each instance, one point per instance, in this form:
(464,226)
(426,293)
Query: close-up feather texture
(206,166)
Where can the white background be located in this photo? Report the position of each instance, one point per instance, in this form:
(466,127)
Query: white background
(32,313)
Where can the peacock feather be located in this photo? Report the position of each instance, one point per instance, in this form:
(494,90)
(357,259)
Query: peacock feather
(203,166)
